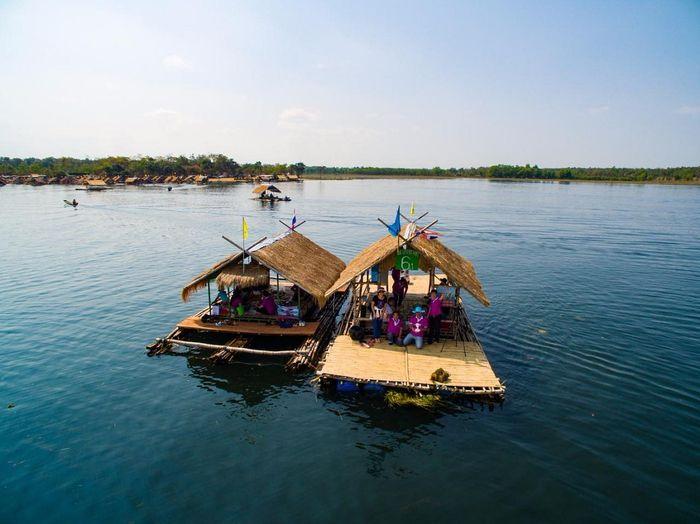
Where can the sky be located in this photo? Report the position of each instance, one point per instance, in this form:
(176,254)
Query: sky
(337,83)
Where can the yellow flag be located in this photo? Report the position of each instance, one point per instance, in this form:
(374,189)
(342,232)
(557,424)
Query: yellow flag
(245,229)
(413,208)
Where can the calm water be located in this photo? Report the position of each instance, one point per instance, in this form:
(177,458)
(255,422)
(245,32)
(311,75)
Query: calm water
(594,328)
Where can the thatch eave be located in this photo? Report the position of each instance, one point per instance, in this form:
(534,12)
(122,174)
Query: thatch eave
(458,269)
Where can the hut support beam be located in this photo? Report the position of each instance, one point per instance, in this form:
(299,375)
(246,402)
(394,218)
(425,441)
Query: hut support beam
(209,294)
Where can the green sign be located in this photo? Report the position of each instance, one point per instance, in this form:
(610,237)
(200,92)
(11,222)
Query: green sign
(407,259)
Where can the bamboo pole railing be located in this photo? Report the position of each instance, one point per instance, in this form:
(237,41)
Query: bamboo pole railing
(233,349)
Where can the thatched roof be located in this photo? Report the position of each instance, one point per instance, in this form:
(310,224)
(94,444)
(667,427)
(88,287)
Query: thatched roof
(433,253)
(95,182)
(292,255)
(266,187)
(252,275)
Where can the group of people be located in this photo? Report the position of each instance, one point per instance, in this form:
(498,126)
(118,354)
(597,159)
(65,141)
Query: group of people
(424,320)
(226,304)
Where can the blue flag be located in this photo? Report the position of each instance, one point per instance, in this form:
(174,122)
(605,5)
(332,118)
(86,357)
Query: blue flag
(294,219)
(395,228)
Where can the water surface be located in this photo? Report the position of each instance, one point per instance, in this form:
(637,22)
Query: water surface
(595,292)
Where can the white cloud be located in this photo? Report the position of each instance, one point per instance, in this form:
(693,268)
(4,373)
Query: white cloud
(598,110)
(688,110)
(296,117)
(176,63)
(162,113)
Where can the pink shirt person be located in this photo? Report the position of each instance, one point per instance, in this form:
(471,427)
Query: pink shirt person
(435,307)
(268,304)
(418,325)
(394,326)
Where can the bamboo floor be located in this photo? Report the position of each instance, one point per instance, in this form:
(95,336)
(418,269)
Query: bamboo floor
(394,366)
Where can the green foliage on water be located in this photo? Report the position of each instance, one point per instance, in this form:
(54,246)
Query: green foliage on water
(397,399)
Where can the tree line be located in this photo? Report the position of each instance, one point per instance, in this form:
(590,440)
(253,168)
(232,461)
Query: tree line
(120,166)
(224,166)
(680,174)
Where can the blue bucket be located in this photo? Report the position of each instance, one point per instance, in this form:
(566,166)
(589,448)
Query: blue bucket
(343,386)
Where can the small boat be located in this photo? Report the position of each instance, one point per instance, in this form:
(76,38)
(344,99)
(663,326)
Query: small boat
(266,194)
(74,203)
(92,188)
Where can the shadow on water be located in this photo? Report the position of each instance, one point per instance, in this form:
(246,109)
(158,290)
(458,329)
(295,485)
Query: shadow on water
(252,383)
(385,434)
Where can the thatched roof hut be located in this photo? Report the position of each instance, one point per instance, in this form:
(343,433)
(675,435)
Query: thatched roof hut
(265,187)
(433,254)
(95,182)
(291,254)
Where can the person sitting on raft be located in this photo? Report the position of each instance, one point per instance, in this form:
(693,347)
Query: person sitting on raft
(236,301)
(417,325)
(267,304)
(394,328)
(222,296)
(378,312)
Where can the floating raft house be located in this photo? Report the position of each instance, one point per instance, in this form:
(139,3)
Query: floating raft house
(297,271)
(349,362)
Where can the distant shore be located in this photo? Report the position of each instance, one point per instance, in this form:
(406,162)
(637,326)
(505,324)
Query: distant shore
(221,169)
(350,176)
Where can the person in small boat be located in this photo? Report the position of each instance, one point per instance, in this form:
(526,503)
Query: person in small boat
(74,203)
(377,312)
(417,326)
(434,316)
(394,328)
(267,304)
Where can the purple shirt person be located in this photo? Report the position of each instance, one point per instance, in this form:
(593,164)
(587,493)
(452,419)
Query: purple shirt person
(393,328)
(267,304)
(434,305)
(434,317)
(418,325)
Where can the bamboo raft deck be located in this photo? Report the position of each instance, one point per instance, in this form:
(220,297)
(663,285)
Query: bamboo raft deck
(459,352)
(409,367)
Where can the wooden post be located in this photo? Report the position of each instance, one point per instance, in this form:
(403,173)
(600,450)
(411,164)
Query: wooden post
(209,293)
(299,301)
